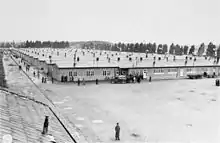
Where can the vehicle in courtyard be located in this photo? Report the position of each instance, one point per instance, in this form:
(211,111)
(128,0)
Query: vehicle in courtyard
(119,79)
(194,76)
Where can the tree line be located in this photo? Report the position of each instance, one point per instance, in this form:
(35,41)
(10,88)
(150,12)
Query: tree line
(36,44)
(44,44)
(5,44)
(174,49)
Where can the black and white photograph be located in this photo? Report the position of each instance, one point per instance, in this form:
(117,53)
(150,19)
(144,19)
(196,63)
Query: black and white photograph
(109,71)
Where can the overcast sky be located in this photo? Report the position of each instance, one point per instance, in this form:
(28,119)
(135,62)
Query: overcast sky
(161,21)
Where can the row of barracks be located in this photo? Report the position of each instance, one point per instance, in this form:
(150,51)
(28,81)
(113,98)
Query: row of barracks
(103,73)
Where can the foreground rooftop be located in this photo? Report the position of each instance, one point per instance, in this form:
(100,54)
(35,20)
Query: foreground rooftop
(23,119)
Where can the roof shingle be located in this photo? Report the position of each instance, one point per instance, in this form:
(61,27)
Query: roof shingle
(23,120)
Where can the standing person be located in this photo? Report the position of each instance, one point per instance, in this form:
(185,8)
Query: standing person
(97,81)
(52,80)
(117,132)
(132,78)
(150,79)
(42,80)
(78,82)
(138,79)
(34,73)
(46,124)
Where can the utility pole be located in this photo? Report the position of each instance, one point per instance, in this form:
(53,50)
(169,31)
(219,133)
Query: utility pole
(74,64)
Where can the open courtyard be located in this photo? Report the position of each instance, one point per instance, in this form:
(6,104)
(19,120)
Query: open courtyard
(163,111)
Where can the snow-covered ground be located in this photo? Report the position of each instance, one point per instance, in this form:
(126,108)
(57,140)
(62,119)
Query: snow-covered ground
(164,111)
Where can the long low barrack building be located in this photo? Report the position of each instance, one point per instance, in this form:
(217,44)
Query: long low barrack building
(73,64)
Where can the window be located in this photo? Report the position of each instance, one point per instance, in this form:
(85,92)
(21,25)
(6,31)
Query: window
(74,73)
(90,73)
(158,70)
(204,69)
(117,72)
(70,73)
(189,70)
(104,73)
(108,73)
(172,70)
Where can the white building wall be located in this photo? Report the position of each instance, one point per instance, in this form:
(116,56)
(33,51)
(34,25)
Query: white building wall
(99,73)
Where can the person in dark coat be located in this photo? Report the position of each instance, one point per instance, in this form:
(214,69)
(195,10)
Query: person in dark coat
(97,81)
(117,132)
(46,124)
(78,82)
(132,78)
(138,79)
(217,82)
(42,80)
(150,79)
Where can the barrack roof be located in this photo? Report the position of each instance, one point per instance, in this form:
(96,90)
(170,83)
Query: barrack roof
(23,119)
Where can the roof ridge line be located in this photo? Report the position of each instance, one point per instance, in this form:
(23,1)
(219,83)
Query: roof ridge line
(23,96)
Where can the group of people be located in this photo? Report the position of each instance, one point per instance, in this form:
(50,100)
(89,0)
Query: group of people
(84,82)
(27,68)
(44,80)
(135,78)
(38,74)
(78,81)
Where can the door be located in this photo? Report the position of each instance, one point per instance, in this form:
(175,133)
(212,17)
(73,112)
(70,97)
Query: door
(181,72)
(123,71)
(145,75)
